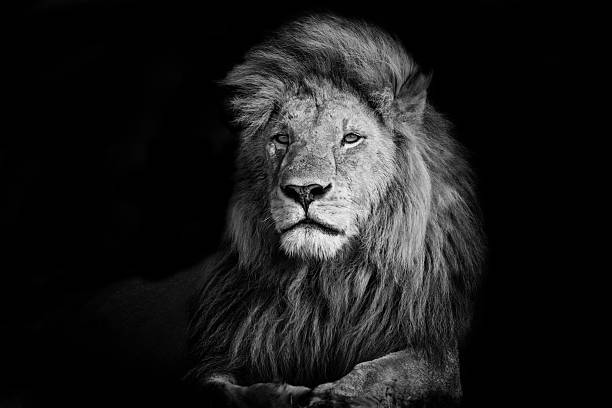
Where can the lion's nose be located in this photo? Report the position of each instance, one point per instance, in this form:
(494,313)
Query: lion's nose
(304,195)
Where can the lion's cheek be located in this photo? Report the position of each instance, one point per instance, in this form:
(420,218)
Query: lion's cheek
(355,192)
(368,185)
(274,157)
(352,176)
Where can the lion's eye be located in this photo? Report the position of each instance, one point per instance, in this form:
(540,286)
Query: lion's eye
(351,138)
(281,138)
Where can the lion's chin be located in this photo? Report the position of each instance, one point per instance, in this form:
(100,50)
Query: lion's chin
(309,243)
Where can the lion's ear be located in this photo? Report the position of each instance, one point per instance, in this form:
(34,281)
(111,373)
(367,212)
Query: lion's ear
(412,97)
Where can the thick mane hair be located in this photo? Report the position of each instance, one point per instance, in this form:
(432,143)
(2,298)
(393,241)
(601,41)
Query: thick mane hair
(406,281)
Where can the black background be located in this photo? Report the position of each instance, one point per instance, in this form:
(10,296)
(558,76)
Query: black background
(118,163)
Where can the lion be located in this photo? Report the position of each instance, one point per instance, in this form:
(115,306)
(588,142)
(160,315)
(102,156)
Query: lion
(353,244)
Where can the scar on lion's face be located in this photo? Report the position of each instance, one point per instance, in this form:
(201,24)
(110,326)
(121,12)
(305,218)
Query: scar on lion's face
(330,160)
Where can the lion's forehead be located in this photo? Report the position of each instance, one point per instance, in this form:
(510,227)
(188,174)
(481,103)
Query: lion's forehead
(326,115)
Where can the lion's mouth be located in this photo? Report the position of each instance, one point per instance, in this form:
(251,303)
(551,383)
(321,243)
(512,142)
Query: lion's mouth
(310,223)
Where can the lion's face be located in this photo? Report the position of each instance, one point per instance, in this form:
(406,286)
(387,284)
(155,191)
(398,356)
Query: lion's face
(330,159)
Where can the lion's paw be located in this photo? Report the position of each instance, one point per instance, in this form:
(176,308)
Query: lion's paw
(340,401)
(268,395)
(330,395)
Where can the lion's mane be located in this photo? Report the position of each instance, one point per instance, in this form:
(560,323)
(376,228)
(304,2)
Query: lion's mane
(407,281)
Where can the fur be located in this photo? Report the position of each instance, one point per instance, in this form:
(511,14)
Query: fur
(405,281)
